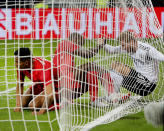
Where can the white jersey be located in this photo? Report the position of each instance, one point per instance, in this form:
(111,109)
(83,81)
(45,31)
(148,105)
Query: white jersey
(145,59)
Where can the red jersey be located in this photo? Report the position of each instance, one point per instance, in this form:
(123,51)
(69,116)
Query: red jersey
(63,59)
(63,56)
(40,73)
(63,65)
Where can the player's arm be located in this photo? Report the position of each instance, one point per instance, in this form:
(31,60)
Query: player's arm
(112,49)
(48,99)
(19,92)
(90,52)
(155,54)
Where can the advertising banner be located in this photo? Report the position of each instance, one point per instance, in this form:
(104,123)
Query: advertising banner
(90,22)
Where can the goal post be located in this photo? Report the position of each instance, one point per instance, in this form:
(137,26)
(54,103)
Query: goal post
(80,46)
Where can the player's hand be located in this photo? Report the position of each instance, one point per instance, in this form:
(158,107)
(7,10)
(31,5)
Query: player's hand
(17,109)
(38,112)
(101,42)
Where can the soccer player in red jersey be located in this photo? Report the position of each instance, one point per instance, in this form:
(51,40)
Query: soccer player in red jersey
(79,79)
(38,71)
(82,78)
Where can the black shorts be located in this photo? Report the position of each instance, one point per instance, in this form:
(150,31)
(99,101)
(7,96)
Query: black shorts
(137,83)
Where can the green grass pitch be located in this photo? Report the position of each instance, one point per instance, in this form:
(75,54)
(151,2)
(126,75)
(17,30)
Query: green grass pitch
(18,121)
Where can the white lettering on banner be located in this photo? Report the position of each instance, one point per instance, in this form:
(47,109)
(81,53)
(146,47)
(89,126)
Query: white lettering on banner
(163,20)
(117,22)
(108,23)
(131,24)
(153,24)
(63,28)
(73,28)
(90,24)
(20,25)
(37,24)
(50,24)
(5,24)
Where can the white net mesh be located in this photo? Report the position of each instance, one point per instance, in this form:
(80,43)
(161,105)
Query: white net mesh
(94,61)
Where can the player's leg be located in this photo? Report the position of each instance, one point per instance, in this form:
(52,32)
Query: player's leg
(76,80)
(37,102)
(84,81)
(109,81)
(120,68)
(30,94)
(137,83)
(27,97)
(43,103)
(50,94)
(133,81)
(43,100)
(48,101)
(117,80)
(92,80)
(38,96)
(102,74)
(87,76)
(79,82)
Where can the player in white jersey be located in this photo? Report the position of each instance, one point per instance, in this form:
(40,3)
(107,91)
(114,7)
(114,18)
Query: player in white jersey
(143,78)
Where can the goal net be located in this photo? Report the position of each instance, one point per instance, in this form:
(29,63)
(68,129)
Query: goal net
(101,59)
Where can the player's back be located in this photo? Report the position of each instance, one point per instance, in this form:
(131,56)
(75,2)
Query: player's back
(40,72)
(64,53)
(63,59)
(66,46)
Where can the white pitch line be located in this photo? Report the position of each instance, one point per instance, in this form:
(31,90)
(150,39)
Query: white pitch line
(13,89)
(6,91)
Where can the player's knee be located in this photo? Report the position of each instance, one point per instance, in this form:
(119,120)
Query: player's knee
(31,105)
(51,98)
(24,103)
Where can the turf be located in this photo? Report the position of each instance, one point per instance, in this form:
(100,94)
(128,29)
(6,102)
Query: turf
(9,120)
(134,122)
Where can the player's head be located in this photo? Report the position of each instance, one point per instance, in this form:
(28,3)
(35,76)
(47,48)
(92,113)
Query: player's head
(128,41)
(22,58)
(76,38)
